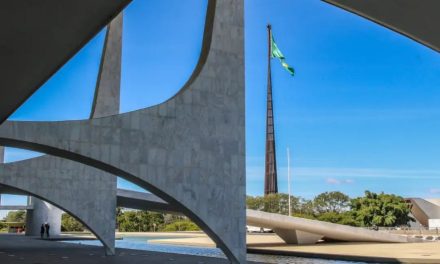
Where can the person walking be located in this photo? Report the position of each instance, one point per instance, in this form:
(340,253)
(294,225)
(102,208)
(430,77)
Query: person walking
(47,226)
(42,230)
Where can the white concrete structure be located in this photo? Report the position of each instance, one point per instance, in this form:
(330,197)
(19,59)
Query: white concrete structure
(43,212)
(426,212)
(318,228)
(189,150)
(68,179)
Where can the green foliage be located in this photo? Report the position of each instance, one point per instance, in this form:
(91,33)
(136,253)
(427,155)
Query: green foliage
(139,221)
(3,226)
(70,224)
(335,207)
(144,221)
(336,202)
(381,210)
(306,216)
(345,218)
(16,216)
(273,203)
(182,225)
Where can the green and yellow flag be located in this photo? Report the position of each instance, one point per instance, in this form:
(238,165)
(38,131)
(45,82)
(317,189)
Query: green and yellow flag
(276,53)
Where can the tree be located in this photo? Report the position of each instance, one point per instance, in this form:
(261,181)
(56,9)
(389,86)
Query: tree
(345,218)
(3,226)
(182,225)
(139,221)
(380,210)
(70,224)
(273,203)
(16,216)
(336,202)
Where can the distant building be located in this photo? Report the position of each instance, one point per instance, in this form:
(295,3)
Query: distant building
(426,212)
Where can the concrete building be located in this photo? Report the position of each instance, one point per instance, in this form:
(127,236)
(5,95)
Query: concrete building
(426,212)
(189,150)
(38,176)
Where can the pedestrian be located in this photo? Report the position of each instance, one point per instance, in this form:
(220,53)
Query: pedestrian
(47,226)
(42,230)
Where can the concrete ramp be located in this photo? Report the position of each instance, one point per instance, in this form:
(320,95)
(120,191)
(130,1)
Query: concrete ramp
(320,228)
(143,201)
(293,230)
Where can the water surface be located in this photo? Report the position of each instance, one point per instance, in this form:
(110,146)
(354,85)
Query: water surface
(142,243)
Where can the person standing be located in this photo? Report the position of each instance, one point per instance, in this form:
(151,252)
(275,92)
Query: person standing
(47,226)
(42,230)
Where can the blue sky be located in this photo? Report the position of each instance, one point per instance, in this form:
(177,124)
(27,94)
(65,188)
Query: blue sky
(361,113)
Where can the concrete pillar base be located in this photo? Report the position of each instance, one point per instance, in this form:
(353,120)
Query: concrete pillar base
(297,237)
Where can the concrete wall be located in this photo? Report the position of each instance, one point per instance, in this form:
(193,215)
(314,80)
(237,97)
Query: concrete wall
(189,150)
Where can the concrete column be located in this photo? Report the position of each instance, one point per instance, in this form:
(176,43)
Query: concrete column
(43,212)
(2,154)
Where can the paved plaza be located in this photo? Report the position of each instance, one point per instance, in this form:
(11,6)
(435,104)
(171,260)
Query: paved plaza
(26,250)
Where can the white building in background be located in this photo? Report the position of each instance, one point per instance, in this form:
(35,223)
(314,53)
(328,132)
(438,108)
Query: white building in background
(426,212)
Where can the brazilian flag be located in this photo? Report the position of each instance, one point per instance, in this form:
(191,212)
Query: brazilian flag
(276,53)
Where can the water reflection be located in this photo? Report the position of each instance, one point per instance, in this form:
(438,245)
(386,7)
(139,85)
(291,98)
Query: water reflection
(141,243)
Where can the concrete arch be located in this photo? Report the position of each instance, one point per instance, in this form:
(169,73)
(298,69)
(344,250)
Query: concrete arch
(106,102)
(82,191)
(189,150)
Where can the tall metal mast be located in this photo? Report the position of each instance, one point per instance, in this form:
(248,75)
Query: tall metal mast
(270,179)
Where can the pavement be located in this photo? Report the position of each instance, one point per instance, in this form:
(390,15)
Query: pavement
(19,249)
(271,244)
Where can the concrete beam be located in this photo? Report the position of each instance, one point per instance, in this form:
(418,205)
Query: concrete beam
(16,207)
(40,38)
(143,201)
(189,150)
(417,20)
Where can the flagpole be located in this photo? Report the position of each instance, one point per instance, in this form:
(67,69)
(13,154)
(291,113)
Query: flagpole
(288,179)
(270,174)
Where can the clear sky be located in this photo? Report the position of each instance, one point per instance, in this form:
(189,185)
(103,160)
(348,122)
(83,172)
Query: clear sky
(362,112)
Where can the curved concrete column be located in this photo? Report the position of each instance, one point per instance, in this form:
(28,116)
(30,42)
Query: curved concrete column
(189,150)
(84,192)
(43,212)
(106,102)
